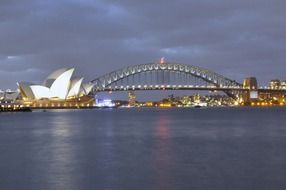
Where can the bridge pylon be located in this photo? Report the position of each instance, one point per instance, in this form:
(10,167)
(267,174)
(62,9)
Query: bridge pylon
(251,94)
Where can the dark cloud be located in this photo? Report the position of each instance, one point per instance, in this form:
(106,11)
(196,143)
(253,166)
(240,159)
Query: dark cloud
(234,38)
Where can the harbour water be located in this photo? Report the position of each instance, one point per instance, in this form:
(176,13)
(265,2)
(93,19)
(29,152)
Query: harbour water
(128,149)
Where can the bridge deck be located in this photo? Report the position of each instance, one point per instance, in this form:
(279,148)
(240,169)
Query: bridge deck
(189,88)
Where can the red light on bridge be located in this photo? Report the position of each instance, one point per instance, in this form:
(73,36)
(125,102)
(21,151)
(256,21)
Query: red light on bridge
(162,60)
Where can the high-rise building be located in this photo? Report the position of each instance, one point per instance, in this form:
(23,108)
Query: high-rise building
(131,98)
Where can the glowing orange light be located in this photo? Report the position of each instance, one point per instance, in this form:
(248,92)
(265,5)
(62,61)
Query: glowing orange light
(162,60)
(165,105)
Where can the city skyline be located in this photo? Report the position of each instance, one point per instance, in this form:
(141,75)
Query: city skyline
(235,39)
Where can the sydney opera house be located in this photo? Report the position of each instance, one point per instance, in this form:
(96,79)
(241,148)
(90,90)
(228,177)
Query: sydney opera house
(60,89)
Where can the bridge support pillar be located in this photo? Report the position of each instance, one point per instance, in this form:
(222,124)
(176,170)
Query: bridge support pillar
(251,90)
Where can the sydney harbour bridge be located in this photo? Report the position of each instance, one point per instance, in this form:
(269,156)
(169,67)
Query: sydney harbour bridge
(171,76)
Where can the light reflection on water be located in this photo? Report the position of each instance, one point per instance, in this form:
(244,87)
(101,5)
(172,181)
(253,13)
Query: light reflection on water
(61,155)
(163,160)
(144,149)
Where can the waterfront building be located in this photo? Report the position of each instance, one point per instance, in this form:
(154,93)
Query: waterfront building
(104,103)
(283,84)
(275,84)
(57,86)
(8,95)
(60,89)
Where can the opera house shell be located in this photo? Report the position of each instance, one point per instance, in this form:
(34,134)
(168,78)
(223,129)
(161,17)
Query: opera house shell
(58,86)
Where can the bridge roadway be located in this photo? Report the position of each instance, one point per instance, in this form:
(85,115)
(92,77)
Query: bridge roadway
(185,87)
(164,87)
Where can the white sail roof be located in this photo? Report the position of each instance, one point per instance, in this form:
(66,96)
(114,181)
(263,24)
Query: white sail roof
(25,90)
(53,76)
(86,88)
(40,91)
(75,87)
(58,85)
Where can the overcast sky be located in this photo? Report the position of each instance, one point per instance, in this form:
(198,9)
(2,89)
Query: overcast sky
(236,38)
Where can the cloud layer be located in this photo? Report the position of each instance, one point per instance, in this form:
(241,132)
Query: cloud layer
(234,38)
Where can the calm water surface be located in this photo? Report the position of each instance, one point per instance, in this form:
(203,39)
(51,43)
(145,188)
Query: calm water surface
(134,149)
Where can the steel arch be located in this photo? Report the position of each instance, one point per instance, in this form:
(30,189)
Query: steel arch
(218,80)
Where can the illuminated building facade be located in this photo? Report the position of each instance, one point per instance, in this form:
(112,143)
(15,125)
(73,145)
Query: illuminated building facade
(59,89)
(283,84)
(272,96)
(275,84)
(131,98)
(8,95)
(104,103)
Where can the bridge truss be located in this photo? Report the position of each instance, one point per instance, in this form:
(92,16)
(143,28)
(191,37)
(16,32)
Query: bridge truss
(156,76)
